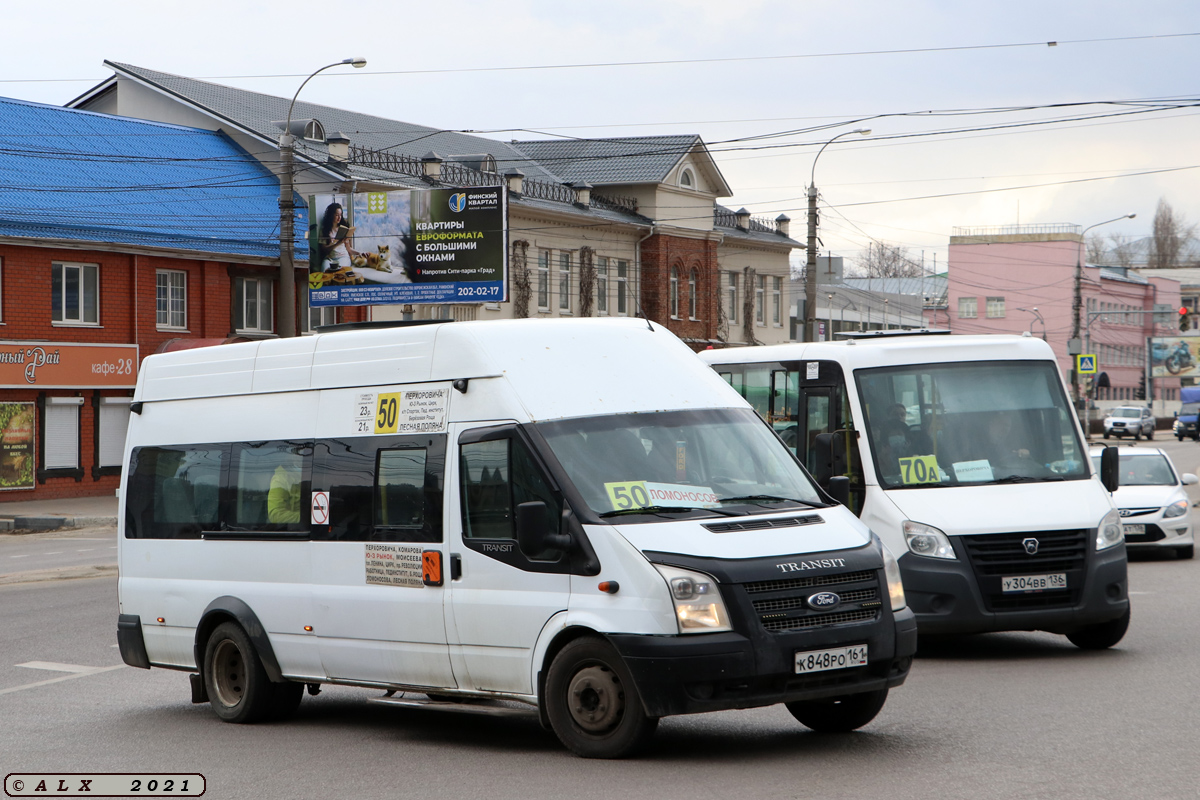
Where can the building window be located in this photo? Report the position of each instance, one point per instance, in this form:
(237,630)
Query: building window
(692,298)
(995,308)
(564,282)
(674,293)
(777,301)
(171,298)
(760,305)
(733,297)
(686,179)
(113,422)
(62,432)
(543,280)
(602,286)
(75,290)
(968,307)
(622,286)
(252,311)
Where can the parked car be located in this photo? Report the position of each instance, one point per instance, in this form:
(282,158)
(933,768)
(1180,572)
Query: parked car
(1155,510)
(1125,421)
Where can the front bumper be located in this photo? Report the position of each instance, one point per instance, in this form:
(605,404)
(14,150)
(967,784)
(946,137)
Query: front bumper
(1160,533)
(694,673)
(946,596)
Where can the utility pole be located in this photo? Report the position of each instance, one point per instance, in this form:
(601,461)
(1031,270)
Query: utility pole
(1077,307)
(287,210)
(810,269)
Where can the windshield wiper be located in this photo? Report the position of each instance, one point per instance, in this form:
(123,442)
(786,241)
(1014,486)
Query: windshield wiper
(660,510)
(1028,479)
(759,499)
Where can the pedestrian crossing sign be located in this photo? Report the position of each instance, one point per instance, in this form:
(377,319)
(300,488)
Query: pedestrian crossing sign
(1085,364)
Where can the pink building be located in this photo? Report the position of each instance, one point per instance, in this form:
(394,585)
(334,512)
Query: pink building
(1022,278)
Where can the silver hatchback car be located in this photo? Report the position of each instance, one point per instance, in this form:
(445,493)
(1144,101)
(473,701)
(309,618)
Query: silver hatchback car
(1135,421)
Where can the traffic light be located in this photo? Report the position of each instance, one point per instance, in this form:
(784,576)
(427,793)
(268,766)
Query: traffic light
(1184,311)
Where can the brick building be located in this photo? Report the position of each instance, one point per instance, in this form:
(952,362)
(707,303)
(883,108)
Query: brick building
(116,237)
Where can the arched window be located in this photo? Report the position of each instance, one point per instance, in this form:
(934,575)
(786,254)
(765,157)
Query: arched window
(686,179)
(674,290)
(692,278)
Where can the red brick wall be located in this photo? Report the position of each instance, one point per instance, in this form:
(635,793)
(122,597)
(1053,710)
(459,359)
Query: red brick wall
(661,253)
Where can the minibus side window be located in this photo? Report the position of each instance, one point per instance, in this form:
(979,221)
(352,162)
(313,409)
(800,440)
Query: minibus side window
(269,486)
(174,492)
(497,476)
(381,488)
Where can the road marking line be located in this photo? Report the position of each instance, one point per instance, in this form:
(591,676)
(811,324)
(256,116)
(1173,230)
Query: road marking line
(57,666)
(1141,592)
(24,556)
(85,550)
(55,553)
(60,679)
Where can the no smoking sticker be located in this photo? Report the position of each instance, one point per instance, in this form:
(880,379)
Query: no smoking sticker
(320,508)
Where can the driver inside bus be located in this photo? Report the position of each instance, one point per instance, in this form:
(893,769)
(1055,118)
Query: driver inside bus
(283,498)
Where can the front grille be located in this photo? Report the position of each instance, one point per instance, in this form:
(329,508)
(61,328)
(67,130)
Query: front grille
(763,524)
(807,583)
(782,605)
(1136,512)
(836,618)
(997,555)
(1153,534)
(1004,553)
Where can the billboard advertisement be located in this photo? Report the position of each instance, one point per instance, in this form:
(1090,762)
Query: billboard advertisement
(409,246)
(67,365)
(17,451)
(1175,357)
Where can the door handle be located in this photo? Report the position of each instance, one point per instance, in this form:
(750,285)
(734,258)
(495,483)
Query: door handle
(455,566)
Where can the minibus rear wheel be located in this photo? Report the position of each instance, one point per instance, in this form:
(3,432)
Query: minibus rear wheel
(839,714)
(593,704)
(238,687)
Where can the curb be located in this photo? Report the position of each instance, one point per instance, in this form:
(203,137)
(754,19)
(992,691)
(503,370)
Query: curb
(41,524)
(61,574)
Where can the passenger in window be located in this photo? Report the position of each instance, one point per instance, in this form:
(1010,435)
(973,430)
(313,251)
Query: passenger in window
(283,498)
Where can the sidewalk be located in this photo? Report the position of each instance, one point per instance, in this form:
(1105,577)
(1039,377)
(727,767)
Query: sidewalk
(30,516)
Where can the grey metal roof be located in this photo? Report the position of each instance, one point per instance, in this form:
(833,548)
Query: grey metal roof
(640,159)
(928,286)
(258,113)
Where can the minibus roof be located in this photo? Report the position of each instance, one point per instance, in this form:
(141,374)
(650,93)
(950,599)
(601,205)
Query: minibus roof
(555,367)
(891,351)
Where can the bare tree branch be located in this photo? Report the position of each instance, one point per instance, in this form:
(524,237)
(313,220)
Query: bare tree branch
(884,260)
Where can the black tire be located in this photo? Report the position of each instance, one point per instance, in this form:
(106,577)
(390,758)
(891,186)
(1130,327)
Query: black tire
(238,687)
(592,703)
(1106,434)
(1180,438)
(1185,553)
(1102,635)
(1150,435)
(839,714)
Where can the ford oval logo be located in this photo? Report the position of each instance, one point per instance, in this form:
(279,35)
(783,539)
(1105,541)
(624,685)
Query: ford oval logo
(824,601)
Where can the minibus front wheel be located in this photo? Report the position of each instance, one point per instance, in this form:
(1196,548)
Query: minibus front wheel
(238,687)
(592,702)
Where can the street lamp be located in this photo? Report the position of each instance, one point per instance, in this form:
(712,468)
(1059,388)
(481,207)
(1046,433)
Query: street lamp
(829,330)
(1038,315)
(1074,346)
(287,210)
(810,271)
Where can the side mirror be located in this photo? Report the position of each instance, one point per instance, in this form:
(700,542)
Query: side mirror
(1189,479)
(534,537)
(1110,468)
(822,457)
(839,489)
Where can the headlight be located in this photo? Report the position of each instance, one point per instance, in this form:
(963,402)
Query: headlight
(698,604)
(1110,531)
(1177,509)
(891,571)
(926,540)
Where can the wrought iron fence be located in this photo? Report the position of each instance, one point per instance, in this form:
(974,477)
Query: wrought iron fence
(1019,230)
(729,219)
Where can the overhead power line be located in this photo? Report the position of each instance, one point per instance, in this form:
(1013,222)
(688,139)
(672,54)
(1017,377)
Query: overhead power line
(676,61)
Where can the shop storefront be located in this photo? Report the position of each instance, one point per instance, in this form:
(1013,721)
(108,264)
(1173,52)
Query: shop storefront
(64,409)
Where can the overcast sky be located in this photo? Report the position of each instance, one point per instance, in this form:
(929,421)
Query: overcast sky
(998,59)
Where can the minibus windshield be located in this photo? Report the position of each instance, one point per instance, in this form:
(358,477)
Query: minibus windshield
(969,423)
(721,461)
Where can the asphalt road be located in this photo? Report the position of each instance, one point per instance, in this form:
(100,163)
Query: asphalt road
(993,716)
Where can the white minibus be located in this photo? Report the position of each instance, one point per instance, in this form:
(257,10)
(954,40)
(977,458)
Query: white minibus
(963,454)
(576,517)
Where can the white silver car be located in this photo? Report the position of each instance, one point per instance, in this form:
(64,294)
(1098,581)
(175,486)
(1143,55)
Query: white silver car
(1135,421)
(1155,510)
